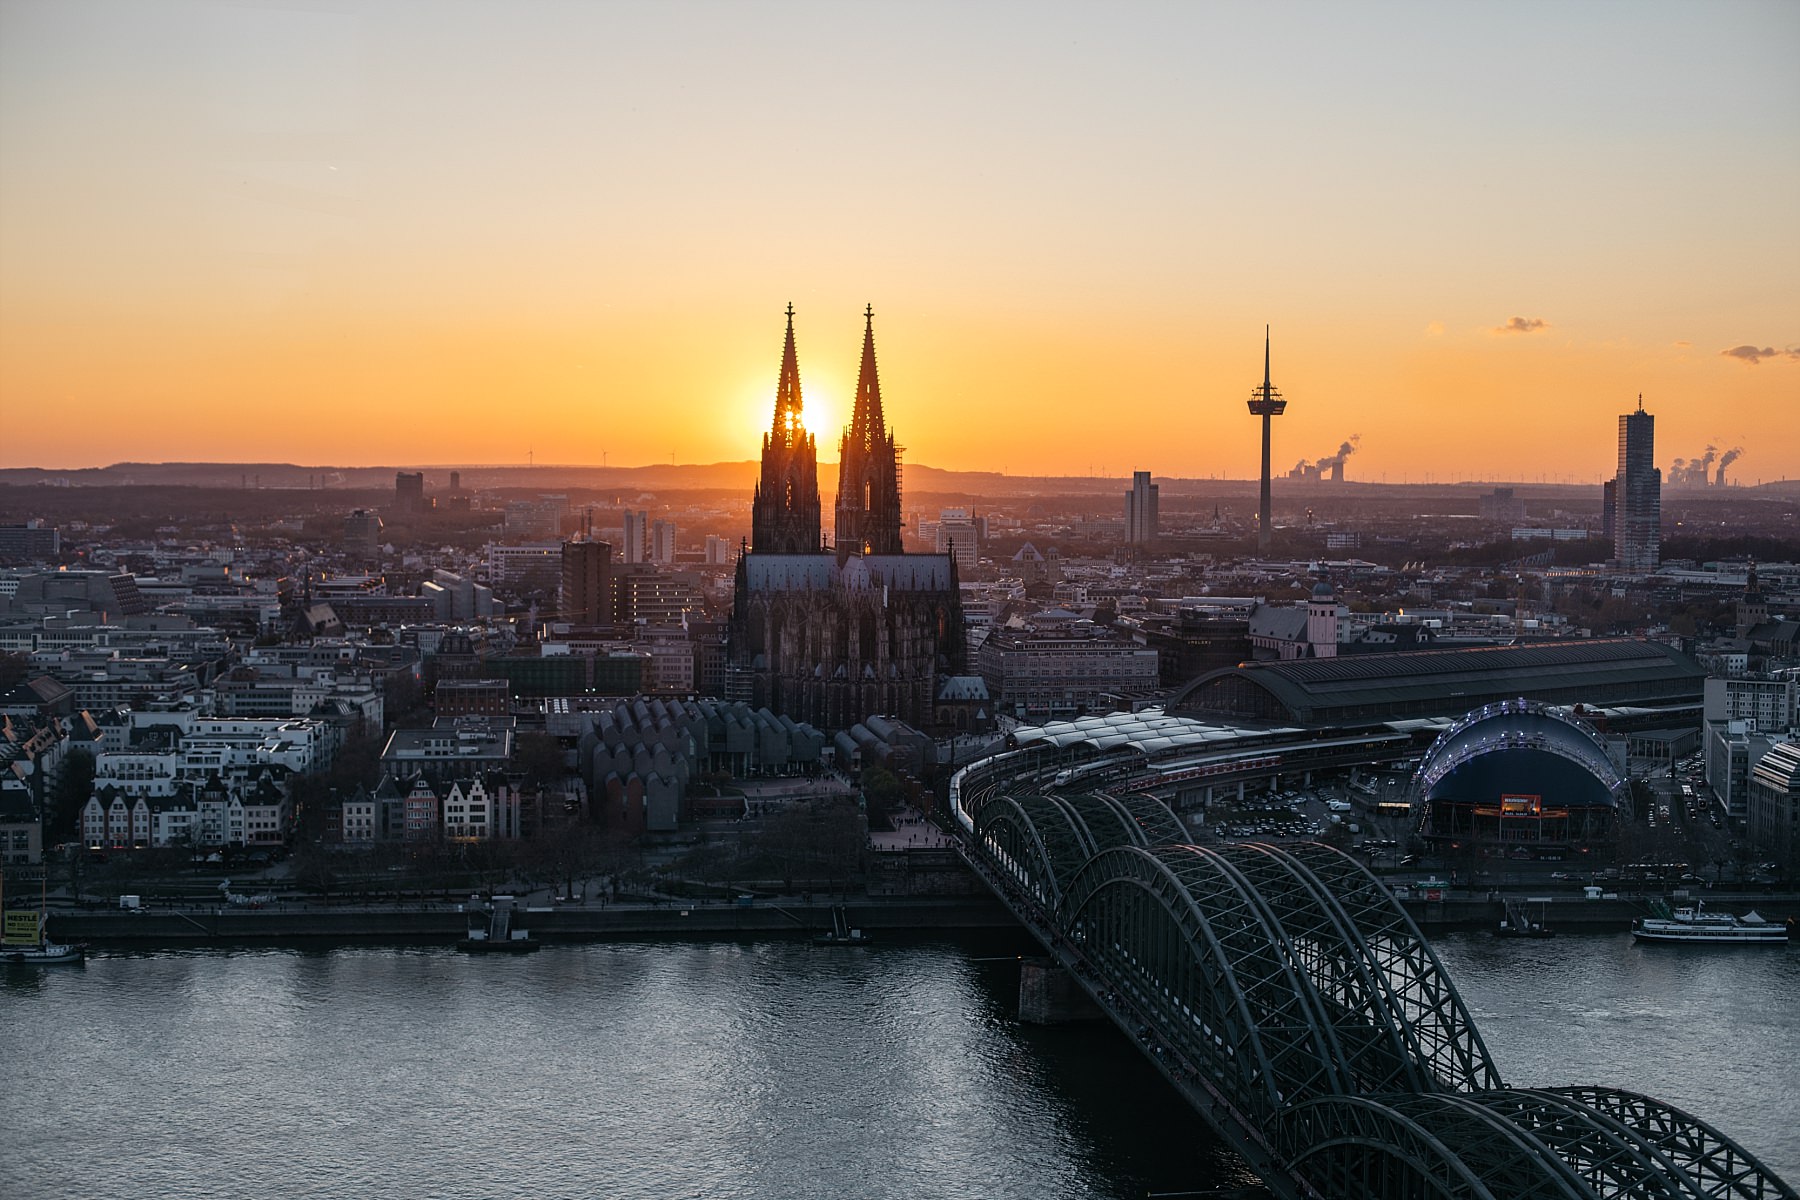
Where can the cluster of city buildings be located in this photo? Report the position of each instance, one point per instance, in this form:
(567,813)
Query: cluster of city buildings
(206,675)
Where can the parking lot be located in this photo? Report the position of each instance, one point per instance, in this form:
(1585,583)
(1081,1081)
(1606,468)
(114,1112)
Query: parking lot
(1333,811)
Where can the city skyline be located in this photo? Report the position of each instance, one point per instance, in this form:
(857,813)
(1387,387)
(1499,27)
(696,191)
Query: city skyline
(568,234)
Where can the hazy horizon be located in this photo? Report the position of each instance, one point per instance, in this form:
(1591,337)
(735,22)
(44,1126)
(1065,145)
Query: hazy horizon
(747,469)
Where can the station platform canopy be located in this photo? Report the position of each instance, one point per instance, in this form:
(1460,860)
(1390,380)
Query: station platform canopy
(1152,731)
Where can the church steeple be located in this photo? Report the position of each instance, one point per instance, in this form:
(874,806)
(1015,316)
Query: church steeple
(867,427)
(868,503)
(784,515)
(788,403)
(1752,606)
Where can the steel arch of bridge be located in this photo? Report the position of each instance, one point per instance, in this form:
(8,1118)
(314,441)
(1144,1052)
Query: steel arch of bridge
(1381,981)
(1044,838)
(1286,984)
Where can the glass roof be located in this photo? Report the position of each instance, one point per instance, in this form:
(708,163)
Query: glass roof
(1151,731)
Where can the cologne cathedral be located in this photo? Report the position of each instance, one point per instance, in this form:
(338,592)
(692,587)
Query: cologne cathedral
(829,635)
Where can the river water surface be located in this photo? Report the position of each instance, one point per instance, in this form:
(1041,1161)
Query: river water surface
(745,1069)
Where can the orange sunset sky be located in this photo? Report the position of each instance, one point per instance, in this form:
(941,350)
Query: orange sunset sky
(442,232)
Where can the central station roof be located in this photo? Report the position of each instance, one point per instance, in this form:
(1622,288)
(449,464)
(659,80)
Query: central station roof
(1363,688)
(1151,731)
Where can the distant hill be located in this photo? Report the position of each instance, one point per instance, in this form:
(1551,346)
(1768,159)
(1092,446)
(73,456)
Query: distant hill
(919,480)
(728,476)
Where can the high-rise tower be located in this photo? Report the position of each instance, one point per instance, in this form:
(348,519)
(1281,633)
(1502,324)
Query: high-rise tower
(1637,490)
(1265,402)
(587,591)
(1140,510)
(784,514)
(868,500)
(637,537)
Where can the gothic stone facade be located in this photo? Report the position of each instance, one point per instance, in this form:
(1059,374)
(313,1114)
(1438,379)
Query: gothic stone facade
(830,637)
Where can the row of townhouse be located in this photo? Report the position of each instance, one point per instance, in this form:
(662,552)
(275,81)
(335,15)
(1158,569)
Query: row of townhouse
(460,810)
(141,758)
(256,811)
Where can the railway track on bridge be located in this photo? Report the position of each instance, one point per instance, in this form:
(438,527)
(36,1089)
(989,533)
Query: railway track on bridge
(1294,1004)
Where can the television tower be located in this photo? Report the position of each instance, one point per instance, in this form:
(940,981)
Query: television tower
(1265,402)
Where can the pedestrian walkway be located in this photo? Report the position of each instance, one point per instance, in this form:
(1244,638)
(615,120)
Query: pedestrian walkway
(911,832)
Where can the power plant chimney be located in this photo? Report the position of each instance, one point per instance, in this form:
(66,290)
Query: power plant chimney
(1730,456)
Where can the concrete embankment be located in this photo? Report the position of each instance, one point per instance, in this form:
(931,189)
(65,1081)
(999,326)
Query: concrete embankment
(1573,914)
(445,922)
(286,922)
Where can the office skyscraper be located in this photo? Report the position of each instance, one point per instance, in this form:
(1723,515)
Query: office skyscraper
(1637,495)
(662,543)
(409,491)
(637,537)
(587,591)
(1140,510)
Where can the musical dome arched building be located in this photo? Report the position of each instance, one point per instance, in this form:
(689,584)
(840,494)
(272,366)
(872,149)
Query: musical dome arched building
(1522,779)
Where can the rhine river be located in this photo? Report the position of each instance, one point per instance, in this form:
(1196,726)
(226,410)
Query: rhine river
(747,1069)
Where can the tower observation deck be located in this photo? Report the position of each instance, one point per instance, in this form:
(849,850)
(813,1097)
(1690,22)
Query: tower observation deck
(1265,402)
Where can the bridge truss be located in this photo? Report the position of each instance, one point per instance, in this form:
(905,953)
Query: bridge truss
(1291,999)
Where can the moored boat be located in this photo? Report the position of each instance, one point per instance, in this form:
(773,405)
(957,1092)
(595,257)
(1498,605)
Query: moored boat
(1696,924)
(25,940)
(45,953)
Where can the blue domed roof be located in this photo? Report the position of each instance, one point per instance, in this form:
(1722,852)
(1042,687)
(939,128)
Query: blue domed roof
(1322,590)
(1518,747)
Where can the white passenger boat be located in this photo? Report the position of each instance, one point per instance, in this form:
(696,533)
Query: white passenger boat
(1696,924)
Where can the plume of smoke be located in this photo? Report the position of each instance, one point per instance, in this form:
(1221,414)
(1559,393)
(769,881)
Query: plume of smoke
(1729,457)
(1344,451)
(1694,472)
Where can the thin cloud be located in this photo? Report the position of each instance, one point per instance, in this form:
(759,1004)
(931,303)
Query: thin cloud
(1751,355)
(1523,325)
(1681,345)
(1435,329)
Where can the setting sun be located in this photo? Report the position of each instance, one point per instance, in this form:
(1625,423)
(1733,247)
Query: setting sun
(271,224)
(820,414)
(820,417)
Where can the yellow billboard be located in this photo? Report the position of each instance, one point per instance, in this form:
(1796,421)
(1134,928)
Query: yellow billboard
(21,928)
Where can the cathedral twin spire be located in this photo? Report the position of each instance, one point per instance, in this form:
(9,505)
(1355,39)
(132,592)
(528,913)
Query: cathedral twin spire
(785,515)
(868,503)
(788,404)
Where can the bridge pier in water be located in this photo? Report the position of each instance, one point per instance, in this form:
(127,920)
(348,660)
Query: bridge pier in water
(1290,999)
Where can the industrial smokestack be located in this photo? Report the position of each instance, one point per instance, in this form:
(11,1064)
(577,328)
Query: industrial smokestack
(1731,456)
(1694,472)
(1335,462)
